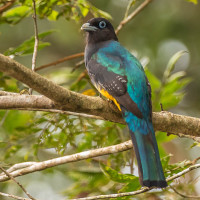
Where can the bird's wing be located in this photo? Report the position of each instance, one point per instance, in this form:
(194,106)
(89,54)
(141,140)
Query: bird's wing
(116,71)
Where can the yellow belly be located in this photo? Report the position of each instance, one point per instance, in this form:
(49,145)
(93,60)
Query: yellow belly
(107,95)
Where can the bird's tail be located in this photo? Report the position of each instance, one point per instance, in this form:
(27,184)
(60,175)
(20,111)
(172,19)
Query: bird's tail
(146,150)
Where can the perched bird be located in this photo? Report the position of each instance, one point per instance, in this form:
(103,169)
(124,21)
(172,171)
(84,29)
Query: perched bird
(120,77)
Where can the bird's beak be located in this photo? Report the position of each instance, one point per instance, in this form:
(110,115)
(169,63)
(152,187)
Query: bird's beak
(88,27)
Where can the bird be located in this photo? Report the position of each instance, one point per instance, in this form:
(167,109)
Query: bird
(120,77)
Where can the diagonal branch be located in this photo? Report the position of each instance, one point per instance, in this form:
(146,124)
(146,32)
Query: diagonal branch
(38,166)
(77,55)
(12,196)
(19,184)
(132,15)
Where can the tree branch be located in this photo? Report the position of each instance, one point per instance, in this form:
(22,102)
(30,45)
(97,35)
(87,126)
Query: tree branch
(38,166)
(67,99)
(77,55)
(162,121)
(71,101)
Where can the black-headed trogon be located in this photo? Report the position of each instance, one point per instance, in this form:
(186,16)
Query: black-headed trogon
(120,77)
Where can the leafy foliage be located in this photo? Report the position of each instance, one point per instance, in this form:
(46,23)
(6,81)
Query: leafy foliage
(27,46)
(168,91)
(52,10)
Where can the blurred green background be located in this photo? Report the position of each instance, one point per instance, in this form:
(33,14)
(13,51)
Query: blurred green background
(156,34)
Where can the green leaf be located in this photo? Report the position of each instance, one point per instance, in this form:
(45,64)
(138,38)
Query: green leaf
(130,4)
(165,161)
(195,144)
(15,15)
(98,13)
(117,177)
(193,1)
(132,186)
(84,10)
(155,82)
(53,16)
(176,76)
(27,46)
(171,64)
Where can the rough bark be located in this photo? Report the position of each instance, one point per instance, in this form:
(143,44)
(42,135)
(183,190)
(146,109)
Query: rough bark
(62,99)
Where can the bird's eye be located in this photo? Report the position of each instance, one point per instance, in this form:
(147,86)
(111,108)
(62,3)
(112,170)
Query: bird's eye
(102,24)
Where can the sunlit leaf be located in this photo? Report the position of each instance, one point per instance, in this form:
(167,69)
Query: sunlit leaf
(154,81)
(14,15)
(171,63)
(53,16)
(117,177)
(193,1)
(132,186)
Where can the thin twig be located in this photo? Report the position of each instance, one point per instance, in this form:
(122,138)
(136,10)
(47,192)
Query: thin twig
(36,41)
(12,196)
(77,55)
(184,195)
(132,15)
(19,184)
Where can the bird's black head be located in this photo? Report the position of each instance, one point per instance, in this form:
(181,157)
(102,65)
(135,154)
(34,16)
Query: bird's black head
(99,30)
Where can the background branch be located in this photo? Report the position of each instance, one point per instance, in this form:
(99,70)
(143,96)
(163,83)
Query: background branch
(38,166)
(77,55)
(12,196)
(36,40)
(132,15)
